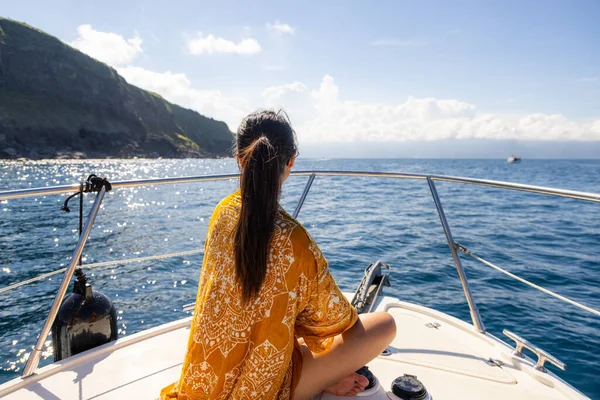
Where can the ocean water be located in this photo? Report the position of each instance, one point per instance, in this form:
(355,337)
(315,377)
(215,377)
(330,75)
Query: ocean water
(551,241)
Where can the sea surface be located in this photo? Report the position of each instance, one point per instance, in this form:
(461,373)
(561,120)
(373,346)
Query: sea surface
(554,242)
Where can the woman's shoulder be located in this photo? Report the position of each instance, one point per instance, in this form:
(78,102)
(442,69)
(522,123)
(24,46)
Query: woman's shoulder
(301,239)
(291,225)
(228,205)
(233,199)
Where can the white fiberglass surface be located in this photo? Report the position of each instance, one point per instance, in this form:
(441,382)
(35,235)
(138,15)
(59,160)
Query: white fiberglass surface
(446,355)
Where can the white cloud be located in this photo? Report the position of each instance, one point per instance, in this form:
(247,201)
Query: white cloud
(294,97)
(274,95)
(280,29)
(211,44)
(108,47)
(178,89)
(275,67)
(412,42)
(588,79)
(119,52)
(321,115)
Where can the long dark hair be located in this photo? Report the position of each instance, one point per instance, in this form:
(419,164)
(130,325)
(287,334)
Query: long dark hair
(265,144)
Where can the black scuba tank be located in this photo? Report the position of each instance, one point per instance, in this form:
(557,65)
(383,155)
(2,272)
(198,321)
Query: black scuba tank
(85,319)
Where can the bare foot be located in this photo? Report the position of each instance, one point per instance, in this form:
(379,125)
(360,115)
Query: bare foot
(349,386)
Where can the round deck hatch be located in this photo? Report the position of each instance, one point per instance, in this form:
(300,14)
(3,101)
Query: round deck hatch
(408,387)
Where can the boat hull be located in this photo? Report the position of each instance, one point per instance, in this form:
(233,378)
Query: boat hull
(446,354)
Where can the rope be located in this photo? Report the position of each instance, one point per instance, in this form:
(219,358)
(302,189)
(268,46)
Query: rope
(94,183)
(197,251)
(525,281)
(102,264)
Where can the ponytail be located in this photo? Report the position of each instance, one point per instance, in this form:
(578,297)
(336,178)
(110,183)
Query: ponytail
(259,184)
(265,145)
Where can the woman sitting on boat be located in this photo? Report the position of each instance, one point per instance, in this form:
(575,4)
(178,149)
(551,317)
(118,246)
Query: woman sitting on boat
(270,322)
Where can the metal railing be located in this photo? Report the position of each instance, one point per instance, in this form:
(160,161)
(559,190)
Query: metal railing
(455,248)
(595,197)
(475,317)
(34,358)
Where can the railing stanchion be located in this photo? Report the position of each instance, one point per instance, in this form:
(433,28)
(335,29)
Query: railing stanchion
(475,317)
(311,178)
(34,358)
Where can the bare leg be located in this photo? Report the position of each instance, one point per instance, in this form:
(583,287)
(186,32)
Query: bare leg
(351,350)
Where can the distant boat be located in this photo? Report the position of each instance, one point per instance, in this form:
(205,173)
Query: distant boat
(513,159)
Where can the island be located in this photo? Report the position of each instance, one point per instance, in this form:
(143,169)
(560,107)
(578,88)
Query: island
(57,102)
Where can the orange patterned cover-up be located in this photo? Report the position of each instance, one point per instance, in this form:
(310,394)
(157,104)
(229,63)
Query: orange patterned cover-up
(250,351)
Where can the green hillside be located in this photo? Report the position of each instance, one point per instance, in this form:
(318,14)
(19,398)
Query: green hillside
(56,101)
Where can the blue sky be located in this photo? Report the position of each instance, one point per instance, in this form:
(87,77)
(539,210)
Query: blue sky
(517,70)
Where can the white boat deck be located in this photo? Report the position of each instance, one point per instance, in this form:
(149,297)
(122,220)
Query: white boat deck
(449,359)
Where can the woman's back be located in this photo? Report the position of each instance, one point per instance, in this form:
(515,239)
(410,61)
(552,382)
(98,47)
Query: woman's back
(265,284)
(247,349)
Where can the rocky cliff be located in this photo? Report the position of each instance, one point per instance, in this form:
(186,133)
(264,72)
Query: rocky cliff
(58,102)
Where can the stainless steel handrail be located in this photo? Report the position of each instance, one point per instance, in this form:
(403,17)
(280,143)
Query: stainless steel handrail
(21,193)
(309,183)
(573,194)
(34,357)
(475,316)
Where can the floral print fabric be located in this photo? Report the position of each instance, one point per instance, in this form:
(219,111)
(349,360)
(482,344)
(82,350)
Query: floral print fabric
(250,351)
